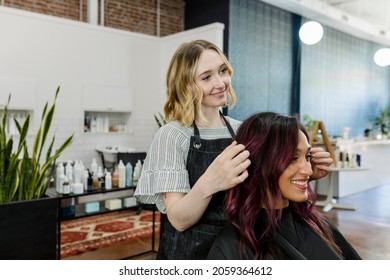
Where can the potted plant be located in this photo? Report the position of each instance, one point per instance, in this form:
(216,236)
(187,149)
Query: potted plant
(28,218)
(308,123)
(381,123)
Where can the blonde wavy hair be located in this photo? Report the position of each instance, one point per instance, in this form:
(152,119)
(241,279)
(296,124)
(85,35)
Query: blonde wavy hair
(184,95)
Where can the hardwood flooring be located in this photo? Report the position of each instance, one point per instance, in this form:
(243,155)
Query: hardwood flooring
(367,229)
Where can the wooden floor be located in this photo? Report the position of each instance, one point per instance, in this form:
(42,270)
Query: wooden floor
(367,229)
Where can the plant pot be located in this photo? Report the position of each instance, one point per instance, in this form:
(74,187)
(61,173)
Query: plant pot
(28,230)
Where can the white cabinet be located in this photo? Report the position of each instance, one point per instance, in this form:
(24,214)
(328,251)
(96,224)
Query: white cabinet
(107,98)
(22,102)
(22,94)
(107,108)
(106,122)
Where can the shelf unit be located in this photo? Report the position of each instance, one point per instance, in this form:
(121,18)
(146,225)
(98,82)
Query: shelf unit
(106,122)
(79,200)
(20,98)
(20,115)
(111,112)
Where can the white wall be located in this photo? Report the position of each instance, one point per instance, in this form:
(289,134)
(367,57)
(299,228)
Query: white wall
(212,33)
(38,53)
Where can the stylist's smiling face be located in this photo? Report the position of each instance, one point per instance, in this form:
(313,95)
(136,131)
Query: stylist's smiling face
(212,75)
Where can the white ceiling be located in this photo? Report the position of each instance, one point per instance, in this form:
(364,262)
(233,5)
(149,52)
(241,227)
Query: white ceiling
(374,11)
(367,19)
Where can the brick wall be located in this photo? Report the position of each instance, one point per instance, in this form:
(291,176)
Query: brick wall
(132,15)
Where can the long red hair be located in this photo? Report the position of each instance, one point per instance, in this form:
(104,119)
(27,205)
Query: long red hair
(272,140)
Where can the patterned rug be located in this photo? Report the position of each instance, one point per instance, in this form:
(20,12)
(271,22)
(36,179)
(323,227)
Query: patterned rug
(95,232)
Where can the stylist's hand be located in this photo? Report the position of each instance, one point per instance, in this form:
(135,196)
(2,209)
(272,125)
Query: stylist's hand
(321,162)
(229,168)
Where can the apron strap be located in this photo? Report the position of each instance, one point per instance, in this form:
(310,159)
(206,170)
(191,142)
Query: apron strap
(197,140)
(228,126)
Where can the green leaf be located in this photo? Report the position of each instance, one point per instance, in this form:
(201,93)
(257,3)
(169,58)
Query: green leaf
(28,178)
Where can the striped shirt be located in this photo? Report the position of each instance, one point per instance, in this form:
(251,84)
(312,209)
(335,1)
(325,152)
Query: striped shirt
(164,169)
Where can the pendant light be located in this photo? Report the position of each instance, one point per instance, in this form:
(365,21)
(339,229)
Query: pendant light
(311,32)
(382,57)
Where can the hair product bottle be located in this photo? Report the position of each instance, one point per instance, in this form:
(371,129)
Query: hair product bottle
(95,181)
(66,186)
(69,172)
(108,181)
(60,176)
(137,171)
(94,166)
(101,178)
(85,180)
(77,172)
(121,174)
(115,178)
(129,175)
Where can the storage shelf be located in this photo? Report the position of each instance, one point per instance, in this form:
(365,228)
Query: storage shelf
(80,212)
(66,201)
(100,195)
(106,122)
(53,193)
(21,116)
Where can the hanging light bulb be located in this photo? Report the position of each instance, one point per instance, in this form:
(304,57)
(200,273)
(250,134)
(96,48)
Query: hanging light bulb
(311,32)
(382,57)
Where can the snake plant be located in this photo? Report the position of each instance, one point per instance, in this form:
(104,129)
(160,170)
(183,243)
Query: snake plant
(24,176)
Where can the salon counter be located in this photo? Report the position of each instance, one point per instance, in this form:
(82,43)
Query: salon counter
(375,158)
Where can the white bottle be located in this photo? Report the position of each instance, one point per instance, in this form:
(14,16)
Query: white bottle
(137,171)
(94,166)
(59,171)
(66,186)
(77,173)
(99,124)
(122,174)
(106,125)
(69,172)
(77,188)
(85,180)
(108,181)
(81,166)
(93,124)
(69,175)
(61,179)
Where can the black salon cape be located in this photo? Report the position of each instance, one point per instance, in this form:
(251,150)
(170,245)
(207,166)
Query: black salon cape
(296,239)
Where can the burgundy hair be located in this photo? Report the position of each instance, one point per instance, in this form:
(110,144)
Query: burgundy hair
(272,140)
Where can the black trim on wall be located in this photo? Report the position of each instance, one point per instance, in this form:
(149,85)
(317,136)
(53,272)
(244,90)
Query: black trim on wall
(296,65)
(201,12)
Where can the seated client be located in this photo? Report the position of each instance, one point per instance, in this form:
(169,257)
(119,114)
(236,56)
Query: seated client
(272,214)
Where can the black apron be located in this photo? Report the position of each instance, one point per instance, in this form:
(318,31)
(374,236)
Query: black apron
(195,242)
